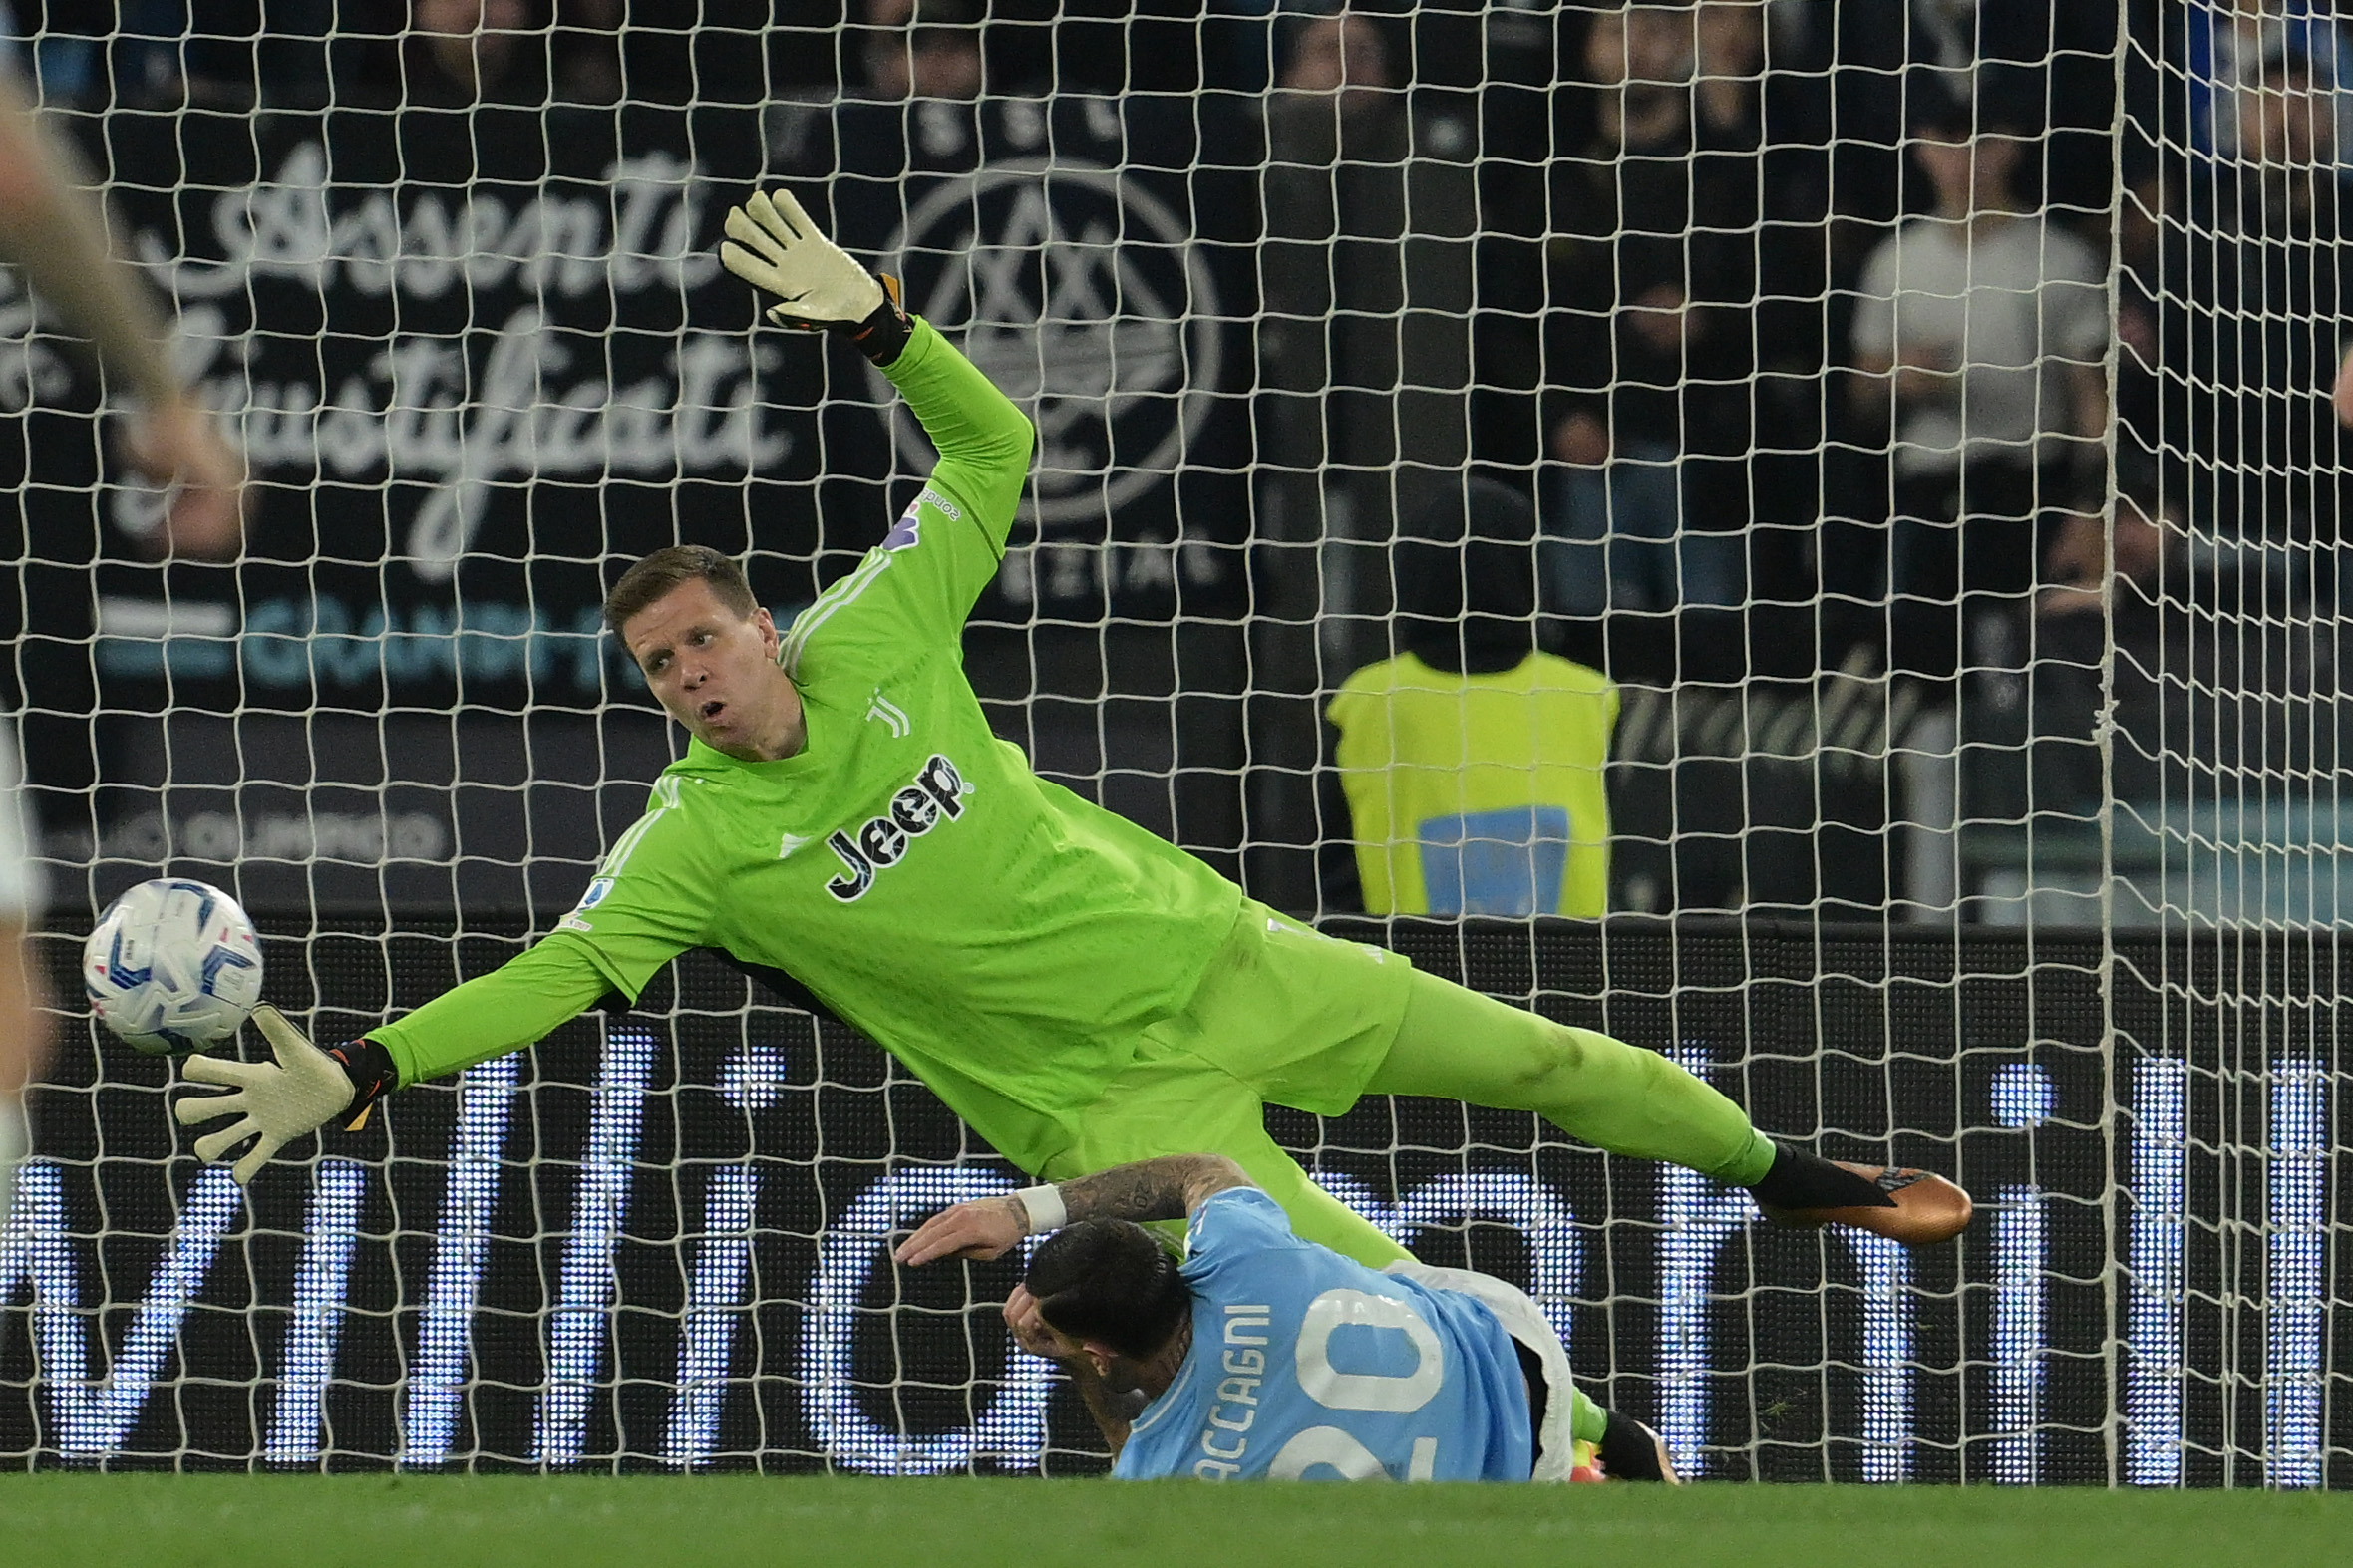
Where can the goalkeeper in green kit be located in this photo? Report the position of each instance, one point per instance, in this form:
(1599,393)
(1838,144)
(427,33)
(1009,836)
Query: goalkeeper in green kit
(1081,992)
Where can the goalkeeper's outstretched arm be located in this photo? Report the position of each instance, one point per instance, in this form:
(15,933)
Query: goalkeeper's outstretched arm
(984,441)
(653,895)
(984,444)
(305,1087)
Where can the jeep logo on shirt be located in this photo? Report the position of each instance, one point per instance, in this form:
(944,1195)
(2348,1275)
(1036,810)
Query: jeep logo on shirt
(936,795)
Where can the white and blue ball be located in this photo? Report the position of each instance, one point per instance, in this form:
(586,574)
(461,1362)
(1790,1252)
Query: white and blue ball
(172,966)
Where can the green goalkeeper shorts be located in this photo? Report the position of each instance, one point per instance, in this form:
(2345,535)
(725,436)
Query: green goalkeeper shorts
(1285,1016)
(1302,1018)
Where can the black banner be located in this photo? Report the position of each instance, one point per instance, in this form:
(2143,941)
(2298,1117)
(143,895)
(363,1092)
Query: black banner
(477,360)
(472,356)
(482,359)
(659,1241)
(1095,256)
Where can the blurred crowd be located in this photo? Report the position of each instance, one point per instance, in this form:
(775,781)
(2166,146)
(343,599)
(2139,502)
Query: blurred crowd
(1778,304)
(1788,320)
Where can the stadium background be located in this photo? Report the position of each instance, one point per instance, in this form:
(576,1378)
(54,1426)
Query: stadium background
(479,349)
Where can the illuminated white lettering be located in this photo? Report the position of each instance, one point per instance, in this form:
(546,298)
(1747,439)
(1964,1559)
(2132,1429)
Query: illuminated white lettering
(94,1417)
(584,1290)
(752,1081)
(2022,1097)
(715,1302)
(1012,1427)
(2295,1323)
(316,1322)
(1529,1208)
(2152,1245)
(444,1329)
(1696,1218)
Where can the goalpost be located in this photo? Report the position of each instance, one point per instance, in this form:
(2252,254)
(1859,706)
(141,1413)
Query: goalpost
(2054,915)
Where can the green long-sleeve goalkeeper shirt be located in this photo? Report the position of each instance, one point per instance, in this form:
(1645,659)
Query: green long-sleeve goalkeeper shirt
(1005,939)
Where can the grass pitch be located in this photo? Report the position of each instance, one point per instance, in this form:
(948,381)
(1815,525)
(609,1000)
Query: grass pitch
(234,1521)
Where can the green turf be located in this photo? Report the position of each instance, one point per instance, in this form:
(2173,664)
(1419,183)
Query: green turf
(65,1522)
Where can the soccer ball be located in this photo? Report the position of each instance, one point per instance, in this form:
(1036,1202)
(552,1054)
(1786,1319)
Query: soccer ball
(172,966)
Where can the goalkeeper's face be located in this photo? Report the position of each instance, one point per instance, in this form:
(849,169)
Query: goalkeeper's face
(715,671)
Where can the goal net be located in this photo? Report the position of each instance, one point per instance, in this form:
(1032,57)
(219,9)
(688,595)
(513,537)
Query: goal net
(1900,428)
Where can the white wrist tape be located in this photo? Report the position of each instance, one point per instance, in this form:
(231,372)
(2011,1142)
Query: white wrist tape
(1045,1208)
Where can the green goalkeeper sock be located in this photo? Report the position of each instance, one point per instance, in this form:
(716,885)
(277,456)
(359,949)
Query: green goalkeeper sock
(1588,1420)
(1754,1163)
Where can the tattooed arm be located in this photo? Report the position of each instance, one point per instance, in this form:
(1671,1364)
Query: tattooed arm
(1169,1187)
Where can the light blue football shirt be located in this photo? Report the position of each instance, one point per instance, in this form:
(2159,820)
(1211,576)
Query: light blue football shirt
(1306,1366)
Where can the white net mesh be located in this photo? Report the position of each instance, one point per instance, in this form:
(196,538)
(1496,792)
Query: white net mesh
(2226,762)
(1755,356)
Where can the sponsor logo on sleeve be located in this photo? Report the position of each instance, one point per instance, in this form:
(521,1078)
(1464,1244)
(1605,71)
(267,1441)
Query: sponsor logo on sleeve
(908,531)
(934,796)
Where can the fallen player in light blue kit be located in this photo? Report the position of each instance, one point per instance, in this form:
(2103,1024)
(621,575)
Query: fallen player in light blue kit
(1263,1355)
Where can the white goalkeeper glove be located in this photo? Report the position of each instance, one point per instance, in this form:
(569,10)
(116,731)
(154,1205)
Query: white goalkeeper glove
(774,246)
(275,1102)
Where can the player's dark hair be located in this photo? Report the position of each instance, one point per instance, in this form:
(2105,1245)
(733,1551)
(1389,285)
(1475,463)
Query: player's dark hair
(1108,1281)
(1466,567)
(655,576)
